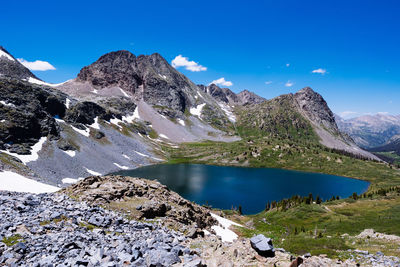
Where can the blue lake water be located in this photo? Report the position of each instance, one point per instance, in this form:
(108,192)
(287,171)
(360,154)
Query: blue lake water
(226,187)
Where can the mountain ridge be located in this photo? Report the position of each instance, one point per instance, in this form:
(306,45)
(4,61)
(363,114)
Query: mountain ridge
(143,102)
(371,130)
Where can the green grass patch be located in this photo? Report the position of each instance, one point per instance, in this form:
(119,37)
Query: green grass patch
(12,240)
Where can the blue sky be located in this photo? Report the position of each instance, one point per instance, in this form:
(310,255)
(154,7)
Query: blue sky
(262,46)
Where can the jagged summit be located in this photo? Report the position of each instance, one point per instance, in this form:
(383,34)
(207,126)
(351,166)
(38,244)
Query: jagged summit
(10,67)
(146,77)
(226,95)
(315,108)
(247,97)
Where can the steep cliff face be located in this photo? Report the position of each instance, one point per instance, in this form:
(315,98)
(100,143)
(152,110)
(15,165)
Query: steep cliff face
(315,108)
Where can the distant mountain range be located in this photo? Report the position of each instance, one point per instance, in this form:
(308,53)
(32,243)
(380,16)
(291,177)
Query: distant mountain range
(122,110)
(371,131)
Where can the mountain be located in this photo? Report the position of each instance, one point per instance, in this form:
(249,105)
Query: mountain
(225,95)
(371,130)
(303,116)
(11,67)
(125,111)
(389,152)
(246,97)
(159,91)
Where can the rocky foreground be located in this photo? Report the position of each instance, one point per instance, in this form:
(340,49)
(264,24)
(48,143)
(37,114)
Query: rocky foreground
(52,229)
(124,221)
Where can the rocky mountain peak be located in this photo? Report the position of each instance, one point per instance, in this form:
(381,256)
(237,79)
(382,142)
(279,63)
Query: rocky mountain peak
(12,68)
(314,106)
(117,68)
(247,97)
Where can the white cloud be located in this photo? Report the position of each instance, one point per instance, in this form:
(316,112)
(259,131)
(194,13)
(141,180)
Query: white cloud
(287,65)
(383,113)
(319,71)
(221,81)
(180,61)
(37,65)
(347,113)
(268,82)
(289,84)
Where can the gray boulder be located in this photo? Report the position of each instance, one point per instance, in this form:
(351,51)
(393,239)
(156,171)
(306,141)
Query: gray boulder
(263,245)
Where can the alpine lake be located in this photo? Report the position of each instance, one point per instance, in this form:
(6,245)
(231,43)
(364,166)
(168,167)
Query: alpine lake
(226,187)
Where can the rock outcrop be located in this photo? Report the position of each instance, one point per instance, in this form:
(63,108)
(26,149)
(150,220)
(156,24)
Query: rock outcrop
(143,199)
(262,245)
(12,68)
(150,78)
(246,97)
(225,95)
(27,112)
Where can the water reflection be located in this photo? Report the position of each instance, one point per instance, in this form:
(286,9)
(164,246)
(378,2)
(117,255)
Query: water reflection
(252,188)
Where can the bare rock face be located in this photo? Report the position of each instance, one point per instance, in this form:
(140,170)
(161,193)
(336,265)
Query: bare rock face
(247,97)
(263,245)
(12,68)
(142,199)
(85,113)
(113,69)
(316,108)
(225,95)
(27,112)
(150,78)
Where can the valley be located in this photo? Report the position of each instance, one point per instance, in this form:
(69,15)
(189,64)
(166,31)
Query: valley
(123,112)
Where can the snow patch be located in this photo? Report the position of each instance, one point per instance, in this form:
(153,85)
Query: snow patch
(136,113)
(116,122)
(198,93)
(163,136)
(121,167)
(39,82)
(70,153)
(147,156)
(67,103)
(197,110)
(12,181)
(125,156)
(4,54)
(225,108)
(181,122)
(93,172)
(7,104)
(223,230)
(141,154)
(36,81)
(34,152)
(70,180)
(126,119)
(123,92)
(95,91)
(85,132)
(95,124)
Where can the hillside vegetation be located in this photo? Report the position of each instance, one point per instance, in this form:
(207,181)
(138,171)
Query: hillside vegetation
(275,135)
